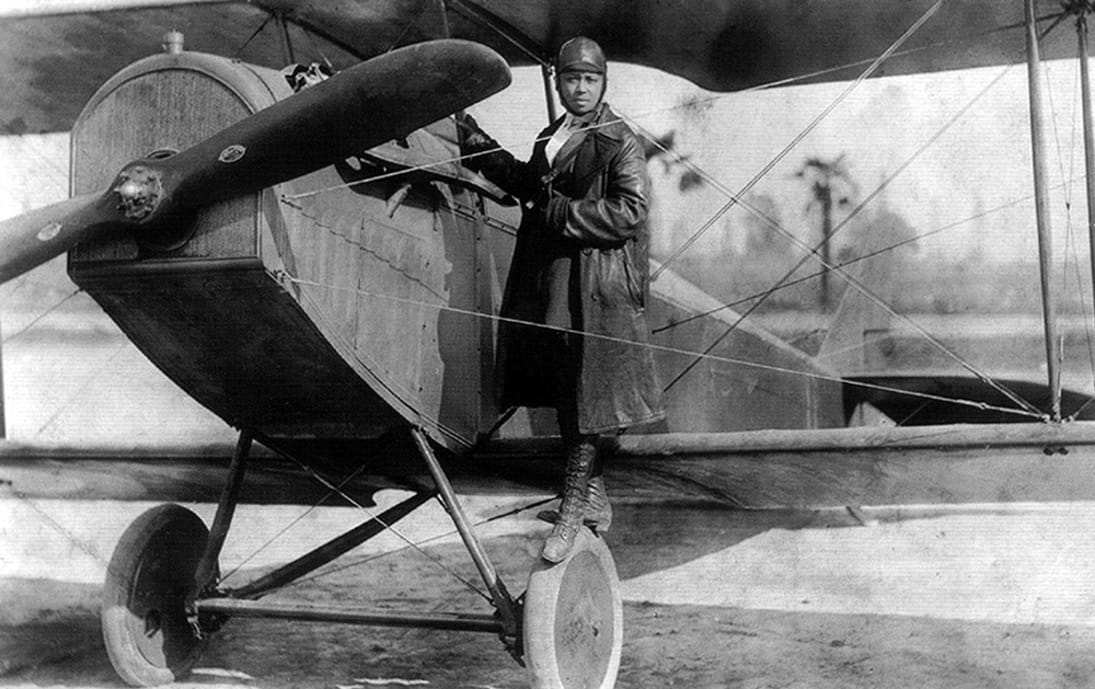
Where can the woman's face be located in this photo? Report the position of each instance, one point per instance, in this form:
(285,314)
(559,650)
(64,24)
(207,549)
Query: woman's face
(581,91)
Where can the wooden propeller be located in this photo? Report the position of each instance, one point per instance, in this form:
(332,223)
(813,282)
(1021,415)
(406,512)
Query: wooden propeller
(357,109)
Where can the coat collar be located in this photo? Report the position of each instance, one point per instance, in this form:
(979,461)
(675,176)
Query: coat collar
(603,123)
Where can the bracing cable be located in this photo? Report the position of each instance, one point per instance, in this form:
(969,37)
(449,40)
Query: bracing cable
(448,534)
(37,319)
(849,262)
(326,496)
(369,513)
(761,87)
(734,199)
(811,252)
(1026,412)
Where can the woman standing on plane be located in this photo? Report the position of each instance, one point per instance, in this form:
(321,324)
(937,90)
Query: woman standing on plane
(578,279)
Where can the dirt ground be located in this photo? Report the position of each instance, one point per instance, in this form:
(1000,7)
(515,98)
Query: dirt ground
(697,645)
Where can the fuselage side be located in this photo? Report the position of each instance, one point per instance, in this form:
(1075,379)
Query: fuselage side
(354,300)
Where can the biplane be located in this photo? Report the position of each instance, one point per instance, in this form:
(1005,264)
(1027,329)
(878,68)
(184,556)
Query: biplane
(319,270)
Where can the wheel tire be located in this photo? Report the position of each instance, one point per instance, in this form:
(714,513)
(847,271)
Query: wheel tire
(573,619)
(150,578)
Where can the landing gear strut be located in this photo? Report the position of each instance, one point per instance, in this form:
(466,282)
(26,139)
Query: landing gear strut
(161,600)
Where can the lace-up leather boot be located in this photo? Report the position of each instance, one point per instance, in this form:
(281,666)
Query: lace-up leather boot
(580,458)
(598,509)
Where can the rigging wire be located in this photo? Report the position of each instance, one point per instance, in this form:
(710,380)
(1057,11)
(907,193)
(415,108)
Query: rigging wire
(734,199)
(1028,412)
(83,387)
(1058,347)
(981,376)
(761,87)
(287,198)
(41,316)
(851,261)
(817,74)
(1085,306)
(243,46)
(400,172)
(452,433)
(86,546)
(329,494)
(890,52)
(966,365)
(32,146)
(426,541)
(1018,401)
(1002,389)
(89,379)
(337,490)
(407,27)
(1070,231)
(316,50)
(851,281)
(345,496)
(1081,291)
(480,16)
(403,171)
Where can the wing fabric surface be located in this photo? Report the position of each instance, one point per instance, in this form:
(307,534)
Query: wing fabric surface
(721,45)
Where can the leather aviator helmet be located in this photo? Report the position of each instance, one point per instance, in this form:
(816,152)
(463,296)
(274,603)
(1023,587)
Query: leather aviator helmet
(580,54)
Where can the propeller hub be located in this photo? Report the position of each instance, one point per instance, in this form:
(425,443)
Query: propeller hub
(139,189)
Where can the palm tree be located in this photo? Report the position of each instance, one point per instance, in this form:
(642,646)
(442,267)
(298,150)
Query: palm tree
(830,183)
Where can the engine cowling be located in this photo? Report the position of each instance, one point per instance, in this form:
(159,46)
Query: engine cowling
(201,300)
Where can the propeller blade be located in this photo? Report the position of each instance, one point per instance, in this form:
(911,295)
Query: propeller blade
(373,102)
(364,106)
(33,238)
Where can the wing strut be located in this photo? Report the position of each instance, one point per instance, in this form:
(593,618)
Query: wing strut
(521,40)
(1041,205)
(549,96)
(1081,8)
(286,41)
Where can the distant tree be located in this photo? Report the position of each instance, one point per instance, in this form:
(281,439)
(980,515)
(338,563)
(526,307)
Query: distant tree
(881,231)
(830,185)
(767,253)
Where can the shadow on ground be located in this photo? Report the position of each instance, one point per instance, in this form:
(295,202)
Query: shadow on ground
(693,646)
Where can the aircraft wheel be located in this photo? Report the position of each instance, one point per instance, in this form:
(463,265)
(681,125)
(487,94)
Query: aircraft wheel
(147,633)
(573,619)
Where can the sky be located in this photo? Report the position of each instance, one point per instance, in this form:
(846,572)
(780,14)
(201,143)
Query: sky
(949,147)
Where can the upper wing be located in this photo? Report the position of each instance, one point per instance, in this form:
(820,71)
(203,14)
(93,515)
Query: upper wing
(721,45)
(50,65)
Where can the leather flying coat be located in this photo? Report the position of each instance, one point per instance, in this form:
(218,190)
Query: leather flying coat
(591,205)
